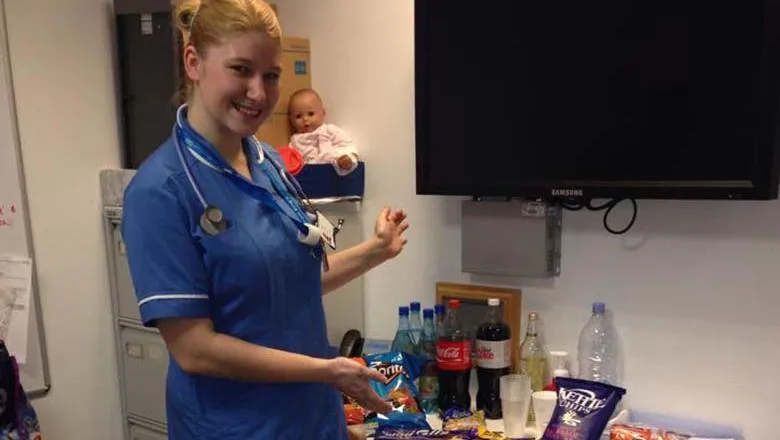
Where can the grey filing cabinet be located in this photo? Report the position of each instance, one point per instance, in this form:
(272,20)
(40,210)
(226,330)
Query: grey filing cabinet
(138,432)
(140,351)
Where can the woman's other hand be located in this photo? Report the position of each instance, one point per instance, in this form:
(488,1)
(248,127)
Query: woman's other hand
(389,230)
(352,379)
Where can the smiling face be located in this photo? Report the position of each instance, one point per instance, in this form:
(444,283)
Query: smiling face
(236,83)
(306,112)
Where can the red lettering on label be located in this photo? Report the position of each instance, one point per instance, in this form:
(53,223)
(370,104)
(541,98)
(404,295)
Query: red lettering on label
(485,354)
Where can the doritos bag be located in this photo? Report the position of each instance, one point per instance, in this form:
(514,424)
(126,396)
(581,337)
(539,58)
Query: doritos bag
(400,370)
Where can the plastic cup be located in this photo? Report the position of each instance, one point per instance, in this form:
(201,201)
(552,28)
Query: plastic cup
(515,400)
(544,405)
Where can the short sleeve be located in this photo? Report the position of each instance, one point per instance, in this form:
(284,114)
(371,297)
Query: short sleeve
(165,262)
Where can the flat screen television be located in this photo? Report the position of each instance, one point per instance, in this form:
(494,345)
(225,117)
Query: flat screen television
(607,99)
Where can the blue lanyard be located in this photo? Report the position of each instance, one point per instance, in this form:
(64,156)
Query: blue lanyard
(274,174)
(199,145)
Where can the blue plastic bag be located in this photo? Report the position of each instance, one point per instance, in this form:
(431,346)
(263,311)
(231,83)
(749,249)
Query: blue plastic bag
(18,419)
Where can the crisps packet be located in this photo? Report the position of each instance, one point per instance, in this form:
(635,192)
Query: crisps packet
(390,433)
(582,410)
(458,425)
(400,370)
(639,432)
(403,420)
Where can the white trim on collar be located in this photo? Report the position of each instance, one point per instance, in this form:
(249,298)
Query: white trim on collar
(260,150)
(199,158)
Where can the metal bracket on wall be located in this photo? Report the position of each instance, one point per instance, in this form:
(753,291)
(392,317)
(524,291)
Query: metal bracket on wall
(520,238)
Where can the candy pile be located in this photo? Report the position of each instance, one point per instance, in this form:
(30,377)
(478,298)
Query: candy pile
(456,425)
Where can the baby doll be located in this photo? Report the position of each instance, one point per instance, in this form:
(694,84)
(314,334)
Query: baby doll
(317,141)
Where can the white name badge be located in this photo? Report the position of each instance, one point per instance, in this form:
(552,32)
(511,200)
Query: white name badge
(327,229)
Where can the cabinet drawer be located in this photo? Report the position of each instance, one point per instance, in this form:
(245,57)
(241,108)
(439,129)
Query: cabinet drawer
(145,364)
(127,302)
(140,433)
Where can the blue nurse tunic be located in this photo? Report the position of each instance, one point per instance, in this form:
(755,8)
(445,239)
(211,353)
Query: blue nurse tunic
(255,281)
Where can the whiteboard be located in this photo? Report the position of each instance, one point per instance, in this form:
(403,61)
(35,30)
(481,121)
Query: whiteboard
(15,233)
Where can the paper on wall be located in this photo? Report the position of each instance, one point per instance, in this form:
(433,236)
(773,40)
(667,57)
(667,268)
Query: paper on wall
(7,301)
(15,294)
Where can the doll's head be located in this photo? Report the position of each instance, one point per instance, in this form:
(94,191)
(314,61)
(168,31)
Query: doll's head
(305,111)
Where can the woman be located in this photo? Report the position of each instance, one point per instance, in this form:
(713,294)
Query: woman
(221,257)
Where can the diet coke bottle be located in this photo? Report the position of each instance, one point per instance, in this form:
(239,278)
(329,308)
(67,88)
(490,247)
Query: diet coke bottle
(494,354)
(453,360)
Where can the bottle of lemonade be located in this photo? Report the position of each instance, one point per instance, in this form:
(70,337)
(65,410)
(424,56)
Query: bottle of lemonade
(533,358)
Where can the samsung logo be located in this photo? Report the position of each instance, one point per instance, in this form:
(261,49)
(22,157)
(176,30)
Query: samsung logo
(567,192)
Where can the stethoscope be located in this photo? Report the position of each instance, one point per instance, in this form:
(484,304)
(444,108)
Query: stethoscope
(213,221)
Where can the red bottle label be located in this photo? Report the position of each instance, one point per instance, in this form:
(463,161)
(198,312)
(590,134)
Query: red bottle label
(453,356)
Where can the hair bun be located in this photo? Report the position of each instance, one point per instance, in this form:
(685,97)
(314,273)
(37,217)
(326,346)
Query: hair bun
(185,19)
(185,14)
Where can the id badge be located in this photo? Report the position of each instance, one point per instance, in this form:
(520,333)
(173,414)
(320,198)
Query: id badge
(328,230)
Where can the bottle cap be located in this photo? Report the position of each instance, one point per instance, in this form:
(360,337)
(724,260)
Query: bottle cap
(494,302)
(533,316)
(439,308)
(427,313)
(598,307)
(403,310)
(414,306)
(453,304)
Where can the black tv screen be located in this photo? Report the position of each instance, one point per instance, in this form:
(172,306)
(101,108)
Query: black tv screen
(615,98)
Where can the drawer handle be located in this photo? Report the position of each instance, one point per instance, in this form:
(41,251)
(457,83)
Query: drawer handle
(134,350)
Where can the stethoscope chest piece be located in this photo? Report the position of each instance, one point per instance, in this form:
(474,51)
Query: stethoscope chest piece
(213,221)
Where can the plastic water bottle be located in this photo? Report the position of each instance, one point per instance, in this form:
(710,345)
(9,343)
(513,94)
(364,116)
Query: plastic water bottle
(429,379)
(403,339)
(439,311)
(598,348)
(415,323)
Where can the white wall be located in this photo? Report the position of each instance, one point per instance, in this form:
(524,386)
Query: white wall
(61,60)
(695,287)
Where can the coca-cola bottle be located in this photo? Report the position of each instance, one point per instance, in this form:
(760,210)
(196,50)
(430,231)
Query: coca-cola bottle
(453,360)
(493,359)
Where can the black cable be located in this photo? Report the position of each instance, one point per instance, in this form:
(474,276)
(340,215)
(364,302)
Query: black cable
(608,206)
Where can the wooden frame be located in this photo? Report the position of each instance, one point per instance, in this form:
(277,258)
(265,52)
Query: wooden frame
(511,299)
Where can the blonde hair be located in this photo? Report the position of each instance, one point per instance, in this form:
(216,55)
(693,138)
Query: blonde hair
(206,22)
